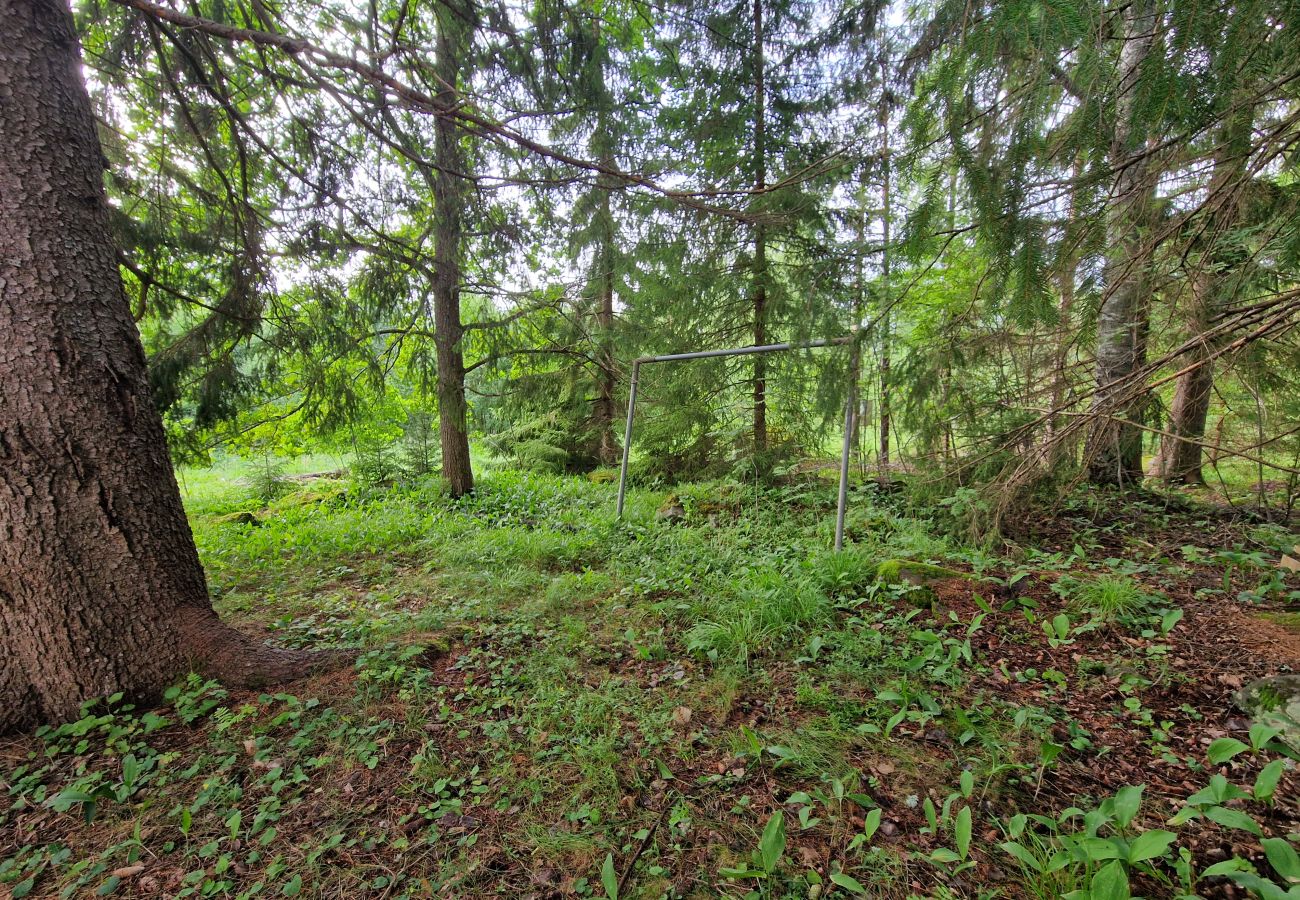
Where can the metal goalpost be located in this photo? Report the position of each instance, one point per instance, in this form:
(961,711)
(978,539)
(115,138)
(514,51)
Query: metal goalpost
(850,408)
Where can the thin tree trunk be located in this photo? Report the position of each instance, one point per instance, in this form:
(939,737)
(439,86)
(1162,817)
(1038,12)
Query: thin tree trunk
(886,317)
(1067,275)
(607,449)
(1114,446)
(1179,458)
(101,589)
(760,271)
(449,202)
(859,299)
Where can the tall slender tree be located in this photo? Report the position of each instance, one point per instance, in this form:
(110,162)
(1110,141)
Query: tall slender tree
(759,264)
(1114,448)
(455,26)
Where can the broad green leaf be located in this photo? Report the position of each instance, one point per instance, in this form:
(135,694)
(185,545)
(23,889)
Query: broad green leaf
(130,770)
(65,800)
(1023,856)
(1266,781)
(961,832)
(1060,859)
(783,754)
(772,844)
(1017,824)
(872,823)
(1110,883)
(1127,801)
(741,873)
(1227,867)
(852,885)
(1097,849)
(1149,845)
(931,814)
(1283,858)
(609,877)
(1232,818)
(1170,619)
(1261,734)
(1224,749)
(1260,886)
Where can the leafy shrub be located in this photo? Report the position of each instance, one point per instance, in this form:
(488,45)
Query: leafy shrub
(539,456)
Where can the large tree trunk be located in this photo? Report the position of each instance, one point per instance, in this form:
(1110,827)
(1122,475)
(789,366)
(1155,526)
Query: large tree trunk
(760,270)
(1114,447)
(449,203)
(101,589)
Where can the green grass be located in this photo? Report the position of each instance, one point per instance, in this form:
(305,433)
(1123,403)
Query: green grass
(1111,597)
(541,685)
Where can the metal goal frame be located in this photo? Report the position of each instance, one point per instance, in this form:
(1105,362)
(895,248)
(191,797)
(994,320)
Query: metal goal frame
(850,407)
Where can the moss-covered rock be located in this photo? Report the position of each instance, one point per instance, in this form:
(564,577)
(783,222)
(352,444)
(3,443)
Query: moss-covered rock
(324,494)
(906,571)
(243,517)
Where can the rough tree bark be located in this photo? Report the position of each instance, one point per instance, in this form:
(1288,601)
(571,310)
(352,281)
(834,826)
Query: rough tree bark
(760,271)
(886,317)
(451,53)
(1113,451)
(1179,458)
(101,589)
(1067,275)
(1212,284)
(607,449)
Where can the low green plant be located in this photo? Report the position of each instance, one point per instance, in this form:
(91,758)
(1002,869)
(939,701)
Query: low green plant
(958,825)
(765,858)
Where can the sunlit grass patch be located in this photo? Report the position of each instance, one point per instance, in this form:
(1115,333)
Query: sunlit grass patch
(540,687)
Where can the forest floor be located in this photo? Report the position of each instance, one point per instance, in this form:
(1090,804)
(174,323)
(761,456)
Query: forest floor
(553,703)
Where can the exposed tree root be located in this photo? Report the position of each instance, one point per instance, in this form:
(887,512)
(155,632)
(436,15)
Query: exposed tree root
(237,660)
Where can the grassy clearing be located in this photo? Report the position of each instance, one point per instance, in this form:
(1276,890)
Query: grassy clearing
(549,702)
